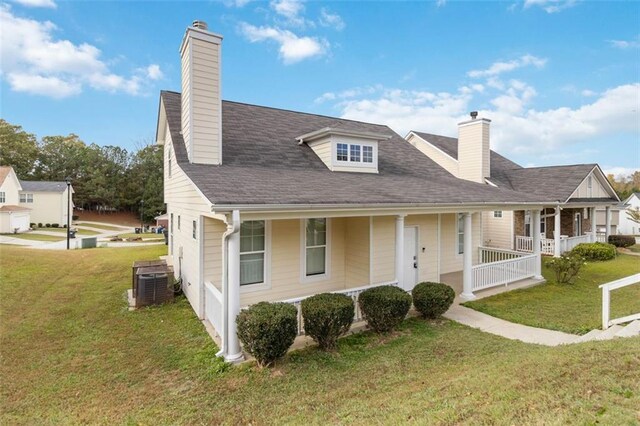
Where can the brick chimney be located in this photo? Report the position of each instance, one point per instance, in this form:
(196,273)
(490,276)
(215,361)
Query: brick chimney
(201,94)
(473,149)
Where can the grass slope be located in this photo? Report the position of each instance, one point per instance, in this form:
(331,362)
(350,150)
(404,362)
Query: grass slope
(574,308)
(64,231)
(72,353)
(36,237)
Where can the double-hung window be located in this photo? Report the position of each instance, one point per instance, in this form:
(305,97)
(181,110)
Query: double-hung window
(3,197)
(26,198)
(354,153)
(460,233)
(342,152)
(315,247)
(194,230)
(252,252)
(497,213)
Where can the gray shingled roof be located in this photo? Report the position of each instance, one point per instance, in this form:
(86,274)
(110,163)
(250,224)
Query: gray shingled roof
(263,164)
(550,183)
(42,186)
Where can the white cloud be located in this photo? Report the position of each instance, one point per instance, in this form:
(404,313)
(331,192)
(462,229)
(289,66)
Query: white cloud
(550,6)
(291,10)
(588,93)
(619,172)
(332,20)
(440,3)
(626,44)
(500,67)
(35,62)
(292,47)
(37,3)
(348,94)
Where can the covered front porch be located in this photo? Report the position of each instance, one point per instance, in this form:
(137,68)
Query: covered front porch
(576,225)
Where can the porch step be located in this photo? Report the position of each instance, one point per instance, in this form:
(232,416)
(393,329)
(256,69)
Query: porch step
(588,337)
(607,334)
(632,329)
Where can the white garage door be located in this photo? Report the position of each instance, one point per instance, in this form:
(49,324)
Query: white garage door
(20,220)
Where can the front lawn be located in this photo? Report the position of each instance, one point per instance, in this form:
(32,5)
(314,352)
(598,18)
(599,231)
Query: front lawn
(35,237)
(64,231)
(574,308)
(99,226)
(146,236)
(634,248)
(71,352)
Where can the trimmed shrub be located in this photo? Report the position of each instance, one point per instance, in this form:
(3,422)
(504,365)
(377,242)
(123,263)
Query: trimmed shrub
(432,299)
(39,224)
(384,307)
(55,225)
(32,225)
(326,317)
(64,225)
(267,330)
(47,225)
(622,240)
(595,251)
(566,267)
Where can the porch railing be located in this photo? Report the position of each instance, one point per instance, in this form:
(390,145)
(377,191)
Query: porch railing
(353,293)
(569,243)
(491,254)
(503,272)
(606,301)
(213,306)
(601,237)
(525,244)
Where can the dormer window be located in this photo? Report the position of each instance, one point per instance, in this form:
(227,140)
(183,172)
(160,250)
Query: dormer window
(346,150)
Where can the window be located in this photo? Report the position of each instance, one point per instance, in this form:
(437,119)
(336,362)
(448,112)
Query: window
(194,230)
(315,247)
(26,198)
(178,222)
(354,153)
(527,224)
(252,252)
(171,224)
(497,214)
(460,233)
(3,198)
(343,152)
(367,154)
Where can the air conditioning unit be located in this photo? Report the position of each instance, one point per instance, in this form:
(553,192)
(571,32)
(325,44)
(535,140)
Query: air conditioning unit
(152,285)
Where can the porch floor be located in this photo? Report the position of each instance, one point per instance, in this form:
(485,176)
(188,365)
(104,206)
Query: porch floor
(454,279)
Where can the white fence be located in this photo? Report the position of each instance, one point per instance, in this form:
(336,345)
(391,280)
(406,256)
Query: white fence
(502,272)
(213,306)
(569,243)
(601,238)
(525,244)
(354,293)
(491,254)
(606,301)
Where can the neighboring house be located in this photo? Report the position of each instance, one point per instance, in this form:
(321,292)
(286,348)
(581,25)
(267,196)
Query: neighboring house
(570,194)
(627,226)
(267,204)
(13,217)
(162,220)
(47,201)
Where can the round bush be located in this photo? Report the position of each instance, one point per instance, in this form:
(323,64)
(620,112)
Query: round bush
(622,240)
(432,299)
(47,225)
(326,317)
(384,307)
(39,224)
(267,330)
(595,251)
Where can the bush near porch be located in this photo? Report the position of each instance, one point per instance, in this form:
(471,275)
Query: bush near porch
(575,308)
(71,353)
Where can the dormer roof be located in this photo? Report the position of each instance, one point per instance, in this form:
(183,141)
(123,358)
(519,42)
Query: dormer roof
(333,131)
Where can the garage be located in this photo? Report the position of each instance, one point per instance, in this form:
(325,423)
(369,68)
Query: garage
(20,220)
(12,217)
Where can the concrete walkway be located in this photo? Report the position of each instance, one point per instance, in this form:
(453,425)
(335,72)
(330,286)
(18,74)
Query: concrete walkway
(509,330)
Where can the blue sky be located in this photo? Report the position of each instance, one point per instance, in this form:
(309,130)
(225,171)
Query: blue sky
(559,79)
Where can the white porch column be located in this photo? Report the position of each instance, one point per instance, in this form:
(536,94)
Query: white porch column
(537,247)
(556,232)
(594,229)
(607,214)
(232,352)
(467,257)
(400,250)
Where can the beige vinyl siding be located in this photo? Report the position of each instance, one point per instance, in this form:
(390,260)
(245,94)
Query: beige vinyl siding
(357,251)
(428,234)
(497,231)
(286,266)
(11,188)
(322,148)
(213,246)
(383,249)
(597,189)
(47,207)
(473,151)
(450,260)
(186,100)
(442,159)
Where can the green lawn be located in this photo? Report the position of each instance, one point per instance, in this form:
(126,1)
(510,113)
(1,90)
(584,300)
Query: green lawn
(634,248)
(574,308)
(64,231)
(71,352)
(146,236)
(99,226)
(35,237)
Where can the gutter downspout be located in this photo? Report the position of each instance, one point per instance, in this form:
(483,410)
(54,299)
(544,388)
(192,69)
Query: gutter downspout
(229,343)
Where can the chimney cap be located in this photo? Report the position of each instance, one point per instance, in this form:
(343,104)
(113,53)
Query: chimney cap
(200,25)
(474,114)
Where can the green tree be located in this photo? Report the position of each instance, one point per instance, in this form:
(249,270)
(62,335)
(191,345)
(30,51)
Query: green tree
(147,180)
(18,149)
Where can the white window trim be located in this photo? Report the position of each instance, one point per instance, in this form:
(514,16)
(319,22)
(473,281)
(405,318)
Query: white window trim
(169,163)
(348,163)
(3,197)
(303,254)
(266,284)
(457,236)
(28,198)
(497,217)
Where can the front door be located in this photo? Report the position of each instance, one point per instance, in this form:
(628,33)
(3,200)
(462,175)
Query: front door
(410,275)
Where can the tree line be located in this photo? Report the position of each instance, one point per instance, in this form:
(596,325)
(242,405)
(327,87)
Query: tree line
(104,178)
(625,185)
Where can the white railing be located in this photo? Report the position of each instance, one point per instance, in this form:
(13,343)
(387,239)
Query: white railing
(569,243)
(492,254)
(213,306)
(493,274)
(606,301)
(525,244)
(354,293)
(601,238)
